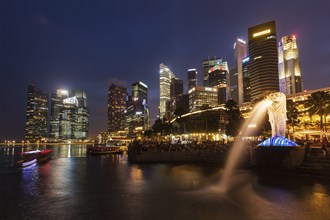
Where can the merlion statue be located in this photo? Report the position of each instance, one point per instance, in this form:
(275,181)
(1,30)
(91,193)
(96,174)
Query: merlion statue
(277,113)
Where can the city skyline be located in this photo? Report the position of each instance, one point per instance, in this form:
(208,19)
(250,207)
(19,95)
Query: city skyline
(52,47)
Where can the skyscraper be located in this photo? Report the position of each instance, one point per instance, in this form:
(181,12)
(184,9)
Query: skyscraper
(165,78)
(218,78)
(116,107)
(176,92)
(289,66)
(239,54)
(137,114)
(82,121)
(56,106)
(246,80)
(263,64)
(36,114)
(69,115)
(207,65)
(192,78)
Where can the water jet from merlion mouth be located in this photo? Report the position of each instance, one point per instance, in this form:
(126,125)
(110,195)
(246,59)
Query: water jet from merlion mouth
(275,103)
(255,119)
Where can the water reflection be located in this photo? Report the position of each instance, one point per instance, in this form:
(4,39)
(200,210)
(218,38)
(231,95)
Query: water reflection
(109,187)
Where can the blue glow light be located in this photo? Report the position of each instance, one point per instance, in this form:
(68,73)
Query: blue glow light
(278,141)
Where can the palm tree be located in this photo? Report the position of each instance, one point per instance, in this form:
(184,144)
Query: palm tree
(292,114)
(318,103)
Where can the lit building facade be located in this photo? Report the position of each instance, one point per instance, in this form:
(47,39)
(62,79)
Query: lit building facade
(192,78)
(176,92)
(263,64)
(36,114)
(117,97)
(82,120)
(233,84)
(137,112)
(309,124)
(207,65)
(239,54)
(246,80)
(202,96)
(165,78)
(69,118)
(218,78)
(289,66)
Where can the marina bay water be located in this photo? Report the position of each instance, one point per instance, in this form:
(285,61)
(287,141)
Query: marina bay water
(73,185)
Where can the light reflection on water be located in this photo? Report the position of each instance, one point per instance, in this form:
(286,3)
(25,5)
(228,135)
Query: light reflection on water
(107,186)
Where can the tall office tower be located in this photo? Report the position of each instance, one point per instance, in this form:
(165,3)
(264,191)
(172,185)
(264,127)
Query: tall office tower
(207,65)
(200,96)
(263,64)
(55,111)
(192,78)
(140,92)
(165,78)
(69,115)
(68,118)
(117,96)
(289,66)
(82,121)
(239,54)
(36,114)
(218,78)
(175,92)
(233,84)
(246,80)
(137,114)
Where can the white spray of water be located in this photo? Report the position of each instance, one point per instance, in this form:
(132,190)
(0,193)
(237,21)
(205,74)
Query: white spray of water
(255,118)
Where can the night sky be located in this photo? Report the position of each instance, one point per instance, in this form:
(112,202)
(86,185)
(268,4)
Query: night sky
(83,44)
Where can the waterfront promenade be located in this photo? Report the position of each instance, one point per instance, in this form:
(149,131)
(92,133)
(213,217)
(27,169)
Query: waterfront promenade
(216,153)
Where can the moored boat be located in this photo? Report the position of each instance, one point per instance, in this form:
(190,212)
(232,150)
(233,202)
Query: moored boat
(111,147)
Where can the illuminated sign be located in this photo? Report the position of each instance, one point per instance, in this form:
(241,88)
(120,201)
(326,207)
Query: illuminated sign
(71,101)
(210,89)
(191,90)
(242,41)
(141,83)
(261,33)
(191,70)
(246,59)
(218,67)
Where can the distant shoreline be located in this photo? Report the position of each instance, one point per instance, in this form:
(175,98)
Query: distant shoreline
(31,144)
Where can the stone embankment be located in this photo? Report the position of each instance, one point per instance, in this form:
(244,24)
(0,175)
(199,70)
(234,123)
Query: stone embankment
(206,153)
(313,165)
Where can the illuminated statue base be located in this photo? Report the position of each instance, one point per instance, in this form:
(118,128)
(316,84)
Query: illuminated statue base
(278,141)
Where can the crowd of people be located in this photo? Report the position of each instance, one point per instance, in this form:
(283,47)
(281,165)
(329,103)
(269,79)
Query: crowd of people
(163,146)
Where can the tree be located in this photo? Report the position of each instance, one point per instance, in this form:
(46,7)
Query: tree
(234,118)
(292,114)
(318,103)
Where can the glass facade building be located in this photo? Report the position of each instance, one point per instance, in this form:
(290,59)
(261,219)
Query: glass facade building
(289,66)
(69,118)
(192,78)
(263,64)
(202,96)
(165,78)
(36,114)
(239,54)
(117,97)
(207,65)
(218,78)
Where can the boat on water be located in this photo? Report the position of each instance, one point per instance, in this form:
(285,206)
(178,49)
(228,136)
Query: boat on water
(111,147)
(29,158)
